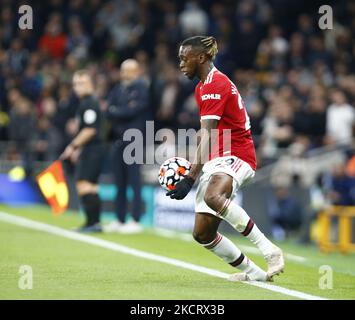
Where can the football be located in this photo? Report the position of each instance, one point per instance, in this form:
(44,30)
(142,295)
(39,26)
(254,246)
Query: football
(172,171)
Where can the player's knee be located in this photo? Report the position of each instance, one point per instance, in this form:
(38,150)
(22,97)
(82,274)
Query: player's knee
(214,201)
(202,237)
(85,187)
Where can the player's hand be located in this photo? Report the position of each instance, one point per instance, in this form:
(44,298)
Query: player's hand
(68,152)
(182,188)
(74,158)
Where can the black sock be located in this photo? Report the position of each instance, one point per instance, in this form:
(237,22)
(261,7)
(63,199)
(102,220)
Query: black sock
(92,205)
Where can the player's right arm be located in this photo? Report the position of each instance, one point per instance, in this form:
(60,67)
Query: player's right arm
(91,121)
(184,186)
(213,99)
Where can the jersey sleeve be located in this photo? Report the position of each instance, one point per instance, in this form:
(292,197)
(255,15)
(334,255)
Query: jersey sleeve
(91,116)
(213,100)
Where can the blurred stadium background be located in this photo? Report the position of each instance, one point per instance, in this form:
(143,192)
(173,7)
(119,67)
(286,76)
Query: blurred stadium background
(298,83)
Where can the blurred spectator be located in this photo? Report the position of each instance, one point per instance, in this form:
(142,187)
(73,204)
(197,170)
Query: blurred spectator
(193,20)
(278,44)
(17,56)
(8,25)
(248,35)
(66,109)
(340,119)
(78,41)
(316,127)
(277,128)
(168,90)
(297,54)
(101,89)
(188,115)
(285,213)
(117,16)
(305,25)
(46,141)
(22,129)
(318,52)
(171,25)
(99,39)
(31,84)
(340,186)
(54,42)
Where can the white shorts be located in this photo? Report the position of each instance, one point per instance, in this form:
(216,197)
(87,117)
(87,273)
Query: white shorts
(239,170)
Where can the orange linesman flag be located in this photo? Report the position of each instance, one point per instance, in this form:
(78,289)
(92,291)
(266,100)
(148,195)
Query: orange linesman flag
(52,183)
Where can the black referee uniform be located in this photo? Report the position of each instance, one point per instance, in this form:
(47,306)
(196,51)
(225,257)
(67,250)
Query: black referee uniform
(91,157)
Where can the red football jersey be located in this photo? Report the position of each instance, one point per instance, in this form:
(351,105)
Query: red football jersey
(218,98)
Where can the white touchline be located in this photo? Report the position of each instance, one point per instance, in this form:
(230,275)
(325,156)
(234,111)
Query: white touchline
(31,224)
(167,233)
(187,237)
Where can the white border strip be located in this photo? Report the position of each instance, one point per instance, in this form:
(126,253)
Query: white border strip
(39,226)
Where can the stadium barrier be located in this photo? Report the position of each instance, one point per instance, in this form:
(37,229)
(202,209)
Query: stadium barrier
(330,240)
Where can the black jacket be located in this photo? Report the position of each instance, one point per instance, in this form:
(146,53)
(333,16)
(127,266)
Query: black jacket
(128,107)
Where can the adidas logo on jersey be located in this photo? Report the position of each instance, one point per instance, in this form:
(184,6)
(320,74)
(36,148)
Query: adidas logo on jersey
(212,96)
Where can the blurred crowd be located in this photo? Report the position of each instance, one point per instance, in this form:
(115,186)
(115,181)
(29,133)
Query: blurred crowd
(298,81)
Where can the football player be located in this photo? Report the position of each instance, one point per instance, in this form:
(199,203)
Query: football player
(226,166)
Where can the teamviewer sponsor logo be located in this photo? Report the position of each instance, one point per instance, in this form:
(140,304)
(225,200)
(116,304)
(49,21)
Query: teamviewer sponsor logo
(212,96)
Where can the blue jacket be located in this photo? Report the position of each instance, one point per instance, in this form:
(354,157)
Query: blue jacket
(128,107)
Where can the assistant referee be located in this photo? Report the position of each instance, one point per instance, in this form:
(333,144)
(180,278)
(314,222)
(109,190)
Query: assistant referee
(87,150)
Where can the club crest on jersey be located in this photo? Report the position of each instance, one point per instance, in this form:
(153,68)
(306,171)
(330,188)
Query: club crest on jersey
(211,96)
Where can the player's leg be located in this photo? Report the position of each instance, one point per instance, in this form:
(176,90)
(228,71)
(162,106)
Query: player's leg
(218,198)
(91,203)
(205,232)
(88,172)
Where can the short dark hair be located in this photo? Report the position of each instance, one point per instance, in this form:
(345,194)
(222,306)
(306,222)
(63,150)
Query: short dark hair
(206,43)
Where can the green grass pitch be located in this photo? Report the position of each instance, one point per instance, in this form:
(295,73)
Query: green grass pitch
(68,269)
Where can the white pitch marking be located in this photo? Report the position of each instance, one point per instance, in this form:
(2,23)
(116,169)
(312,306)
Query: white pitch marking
(39,226)
(187,237)
(247,249)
